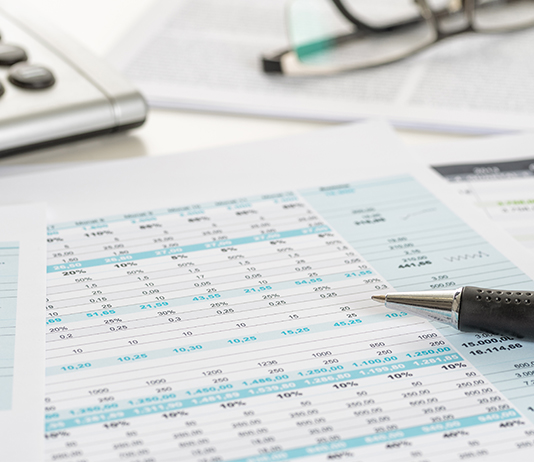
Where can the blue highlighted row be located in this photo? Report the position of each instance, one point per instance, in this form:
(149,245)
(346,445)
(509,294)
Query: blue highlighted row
(293,386)
(187,248)
(285,382)
(385,437)
(214,297)
(190,347)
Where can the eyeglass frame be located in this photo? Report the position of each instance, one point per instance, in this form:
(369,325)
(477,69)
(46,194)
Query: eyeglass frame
(277,61)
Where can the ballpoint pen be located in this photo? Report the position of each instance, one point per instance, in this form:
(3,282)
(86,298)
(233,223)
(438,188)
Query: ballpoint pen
(471,309)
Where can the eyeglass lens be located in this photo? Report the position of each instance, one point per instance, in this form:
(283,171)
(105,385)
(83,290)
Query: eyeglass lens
(322,36)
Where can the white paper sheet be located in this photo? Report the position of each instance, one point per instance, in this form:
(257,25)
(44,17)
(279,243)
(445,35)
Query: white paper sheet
(215,306)
(496,175)
(205,54)
(22,340)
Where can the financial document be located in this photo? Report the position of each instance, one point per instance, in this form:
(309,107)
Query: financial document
(496,175)
(241,327)
(205,54)
(243,330)
(22,340)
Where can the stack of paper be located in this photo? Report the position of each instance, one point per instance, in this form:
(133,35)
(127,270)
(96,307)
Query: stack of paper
(216,306)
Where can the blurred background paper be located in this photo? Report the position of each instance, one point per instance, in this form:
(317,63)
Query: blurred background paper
(22,333)
(205,55)
(495,174)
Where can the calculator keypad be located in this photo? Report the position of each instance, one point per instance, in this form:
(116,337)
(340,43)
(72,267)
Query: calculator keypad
(31,76)
(11,54)
(53,90)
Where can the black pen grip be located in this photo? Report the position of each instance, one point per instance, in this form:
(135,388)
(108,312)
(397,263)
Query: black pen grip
(499,312)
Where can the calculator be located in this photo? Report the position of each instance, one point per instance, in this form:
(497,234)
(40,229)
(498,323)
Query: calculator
(53,91)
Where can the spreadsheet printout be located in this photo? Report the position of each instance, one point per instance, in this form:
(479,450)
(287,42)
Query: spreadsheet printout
(234,376)
(242,330)
(22,292)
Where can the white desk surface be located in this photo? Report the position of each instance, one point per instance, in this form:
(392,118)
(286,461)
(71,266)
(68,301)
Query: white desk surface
(98,24)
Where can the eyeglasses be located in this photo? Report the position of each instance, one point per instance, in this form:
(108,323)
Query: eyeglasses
(328,37)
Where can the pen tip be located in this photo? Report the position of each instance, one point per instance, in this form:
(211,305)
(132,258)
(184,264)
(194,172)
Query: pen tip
(379,298)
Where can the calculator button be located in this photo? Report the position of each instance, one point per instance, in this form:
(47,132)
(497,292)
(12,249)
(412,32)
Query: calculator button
(30,76)
(11,54)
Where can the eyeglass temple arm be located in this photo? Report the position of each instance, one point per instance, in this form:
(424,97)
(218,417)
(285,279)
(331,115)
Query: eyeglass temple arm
(272,63)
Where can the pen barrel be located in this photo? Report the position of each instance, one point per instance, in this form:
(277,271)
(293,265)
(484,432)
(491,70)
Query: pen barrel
(497,311)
